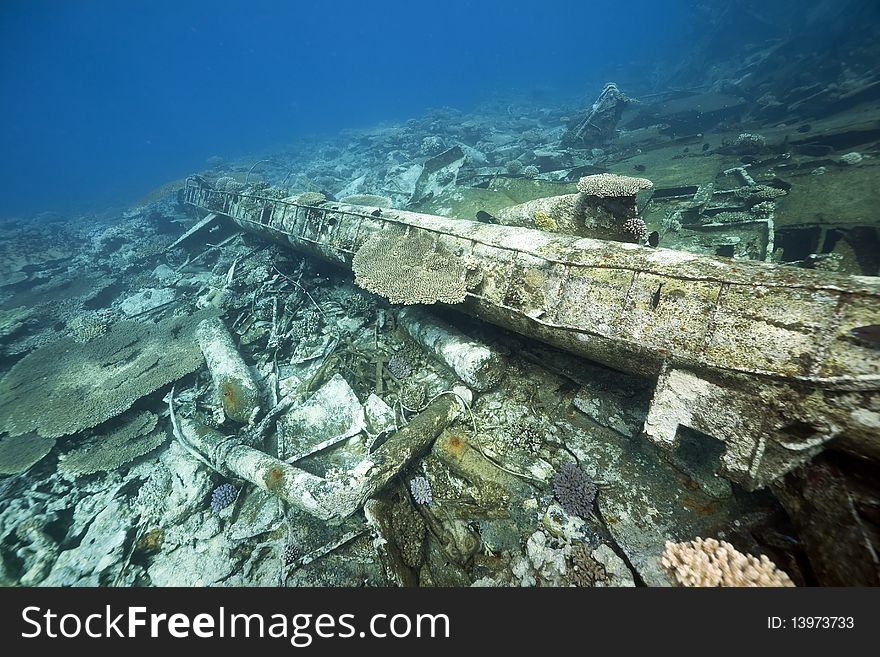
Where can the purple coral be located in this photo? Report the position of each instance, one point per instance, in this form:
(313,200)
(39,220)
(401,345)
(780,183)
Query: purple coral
(223,496)
(291,554)
(635,227)
(399,366)
(574,489)
(421,491)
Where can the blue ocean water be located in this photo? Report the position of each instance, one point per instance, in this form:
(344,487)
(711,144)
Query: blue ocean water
(105,100)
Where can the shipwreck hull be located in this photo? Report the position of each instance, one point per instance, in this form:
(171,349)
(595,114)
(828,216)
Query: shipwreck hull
(757,355)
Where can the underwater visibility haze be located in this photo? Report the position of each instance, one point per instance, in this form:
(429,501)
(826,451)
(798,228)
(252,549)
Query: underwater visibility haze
(111,99)
(458,294)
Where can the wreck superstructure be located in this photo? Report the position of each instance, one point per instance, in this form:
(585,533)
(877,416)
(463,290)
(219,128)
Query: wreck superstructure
(757,355)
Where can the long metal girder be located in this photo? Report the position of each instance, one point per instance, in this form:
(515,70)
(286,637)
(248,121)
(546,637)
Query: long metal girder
(760,356)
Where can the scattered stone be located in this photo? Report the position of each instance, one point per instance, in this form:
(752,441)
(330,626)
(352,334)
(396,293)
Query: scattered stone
(542,565)
(98,559)
(616,572)
(379,416)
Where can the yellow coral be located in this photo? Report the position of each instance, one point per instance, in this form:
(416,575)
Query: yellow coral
(717,563)
(545,222)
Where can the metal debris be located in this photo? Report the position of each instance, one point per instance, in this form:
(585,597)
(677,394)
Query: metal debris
(714,318)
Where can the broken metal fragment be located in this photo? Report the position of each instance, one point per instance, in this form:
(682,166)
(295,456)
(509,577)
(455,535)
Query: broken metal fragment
(833,506)
(598,124)
(329,416)
(764,435)
(208,219)
(399,450)
(227,454)
(478,365)
(867,334)
(378,513)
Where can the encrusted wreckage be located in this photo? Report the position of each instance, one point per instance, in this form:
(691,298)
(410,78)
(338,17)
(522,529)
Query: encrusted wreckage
(760,356)
(597,124)
(324,499)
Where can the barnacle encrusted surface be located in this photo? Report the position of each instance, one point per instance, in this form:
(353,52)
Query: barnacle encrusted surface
(130,441)
(409,269)
(65,387)
(409,533)
(18,453)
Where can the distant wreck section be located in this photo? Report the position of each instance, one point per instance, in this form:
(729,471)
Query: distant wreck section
(597,125)
(760,356)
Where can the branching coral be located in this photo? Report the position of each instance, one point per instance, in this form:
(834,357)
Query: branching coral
(717,563)
(585,571)
(421,491)
(635,227)
(611,185)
